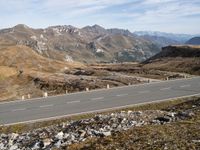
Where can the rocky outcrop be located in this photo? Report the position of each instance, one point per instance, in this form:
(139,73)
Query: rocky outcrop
(64,134)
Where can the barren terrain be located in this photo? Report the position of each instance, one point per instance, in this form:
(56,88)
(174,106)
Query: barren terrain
(25,72)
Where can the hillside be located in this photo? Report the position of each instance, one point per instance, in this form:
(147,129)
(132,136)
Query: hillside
(194,41)
(176,59)
(89,44)
(20,66)
(24,58)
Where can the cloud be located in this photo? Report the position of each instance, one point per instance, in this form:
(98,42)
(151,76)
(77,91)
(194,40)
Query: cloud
(131,14)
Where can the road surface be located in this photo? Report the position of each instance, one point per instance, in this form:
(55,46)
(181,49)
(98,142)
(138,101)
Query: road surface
(78,103)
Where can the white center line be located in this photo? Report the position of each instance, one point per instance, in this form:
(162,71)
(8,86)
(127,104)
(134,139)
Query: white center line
(20,109)
(119,95)
(50,105)
(185,86)
(73,102)
(98,98)
(143,92)
(163,89)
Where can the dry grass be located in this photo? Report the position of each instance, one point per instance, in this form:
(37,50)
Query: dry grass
(14,59)
(172,136)
(180,135)
(7,71)
(22,57)
(178,64)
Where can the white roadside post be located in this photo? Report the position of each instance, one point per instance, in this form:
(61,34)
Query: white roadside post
(45,94)
(87,89)
(66,91)
(108,86)
(23,97)
(29,96)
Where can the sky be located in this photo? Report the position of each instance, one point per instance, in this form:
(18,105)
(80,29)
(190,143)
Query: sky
(175,16)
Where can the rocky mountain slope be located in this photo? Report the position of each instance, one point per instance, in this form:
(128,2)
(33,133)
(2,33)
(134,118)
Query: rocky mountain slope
(20,66)
(194,41)
(177,59)
(88,44)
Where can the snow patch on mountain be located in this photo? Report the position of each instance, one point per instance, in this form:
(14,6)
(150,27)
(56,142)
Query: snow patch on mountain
(68,58)
(99,50)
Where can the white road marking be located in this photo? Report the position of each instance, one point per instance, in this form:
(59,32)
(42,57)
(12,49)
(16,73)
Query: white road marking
(143,92)
(20,109)
(98,98)
(73,102)
(119,95)
(43,106)
(188,85)
(96,90)
(98,110)
(163,89)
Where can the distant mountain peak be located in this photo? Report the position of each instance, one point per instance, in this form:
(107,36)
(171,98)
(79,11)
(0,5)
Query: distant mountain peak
(97,26)
(21,26)
(182,38)
(125,32)
(62,27)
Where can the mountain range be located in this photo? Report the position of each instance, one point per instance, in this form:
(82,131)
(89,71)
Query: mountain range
(89,44)
(181,38)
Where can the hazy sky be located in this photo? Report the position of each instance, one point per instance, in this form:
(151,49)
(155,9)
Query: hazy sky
(177,16)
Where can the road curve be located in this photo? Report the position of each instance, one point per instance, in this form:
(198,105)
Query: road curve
(97,100)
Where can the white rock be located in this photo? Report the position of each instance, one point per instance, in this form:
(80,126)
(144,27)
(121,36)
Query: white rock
(34,37)
(66,135)
(172,114)
(46,142)
(41,36)
(58,144)
(13,136)
(14,147)
(129,112)
(60,135)
(36,146)
(99,51)
(69,58)
(2,146)
(133,123)
(106,133)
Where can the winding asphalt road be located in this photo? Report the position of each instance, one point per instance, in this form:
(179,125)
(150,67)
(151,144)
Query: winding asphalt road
(92,101)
